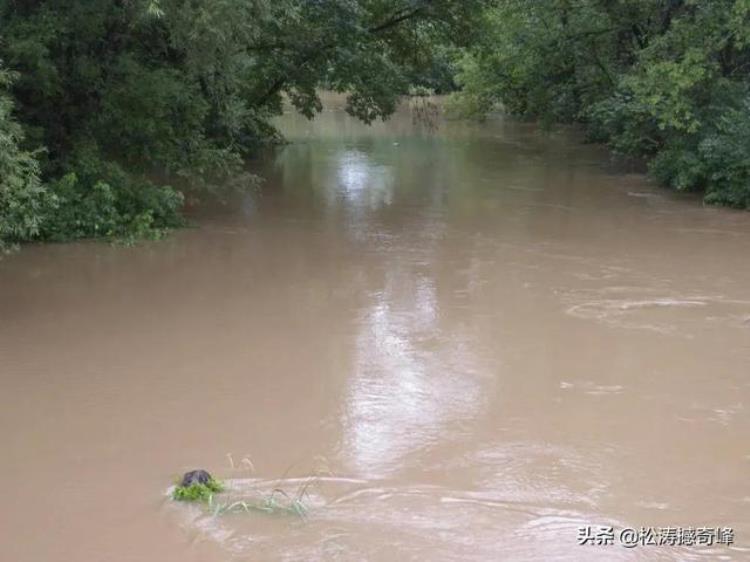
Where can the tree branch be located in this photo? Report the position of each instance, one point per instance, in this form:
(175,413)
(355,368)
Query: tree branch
(396,19)
(399,17)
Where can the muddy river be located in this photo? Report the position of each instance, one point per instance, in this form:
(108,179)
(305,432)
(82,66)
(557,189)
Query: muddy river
(456,341)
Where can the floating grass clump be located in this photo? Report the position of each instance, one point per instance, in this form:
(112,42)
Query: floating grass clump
(197,486)
(200,486)
(272,504)
(197,492)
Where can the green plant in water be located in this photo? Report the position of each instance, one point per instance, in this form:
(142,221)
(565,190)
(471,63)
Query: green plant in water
(275,503)
(202,487)
(197,492)
(272,504)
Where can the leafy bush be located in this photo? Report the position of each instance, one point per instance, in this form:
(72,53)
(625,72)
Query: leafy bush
(667,81)
(625,123)
(24,201)
(727,156)
(90,207)
(478,95)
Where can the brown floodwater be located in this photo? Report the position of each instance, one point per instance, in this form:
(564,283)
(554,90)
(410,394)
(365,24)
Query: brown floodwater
(479,337)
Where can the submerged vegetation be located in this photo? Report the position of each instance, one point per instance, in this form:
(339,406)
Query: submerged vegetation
(667,80)
(105,104)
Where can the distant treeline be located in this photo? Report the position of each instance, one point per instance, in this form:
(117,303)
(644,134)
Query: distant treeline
(99,98)
(668,80)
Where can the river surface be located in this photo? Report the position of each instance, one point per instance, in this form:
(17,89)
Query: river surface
(466,341)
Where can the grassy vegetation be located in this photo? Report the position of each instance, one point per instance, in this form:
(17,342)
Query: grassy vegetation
(276,502)
(197,492)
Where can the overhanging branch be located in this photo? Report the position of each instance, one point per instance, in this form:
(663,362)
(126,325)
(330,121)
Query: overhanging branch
(396,19)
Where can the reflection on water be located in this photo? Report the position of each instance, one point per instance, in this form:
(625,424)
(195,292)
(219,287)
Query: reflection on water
(363,183)
(412,383)
(489,336)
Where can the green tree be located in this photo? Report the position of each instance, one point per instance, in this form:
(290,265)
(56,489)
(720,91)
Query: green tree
(23,199)
(664,79)
(121,92)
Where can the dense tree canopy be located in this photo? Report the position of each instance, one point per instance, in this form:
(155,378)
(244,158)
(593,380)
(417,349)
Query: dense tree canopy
(105,103)
(21,191)
(112,94)
(665,79)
